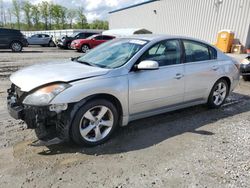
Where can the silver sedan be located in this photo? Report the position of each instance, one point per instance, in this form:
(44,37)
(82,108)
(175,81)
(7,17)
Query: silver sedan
(41,39)
(86,98)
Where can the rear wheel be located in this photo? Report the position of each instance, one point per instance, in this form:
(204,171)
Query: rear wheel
(94,123)
(218,94)
(16,46)
(85,48)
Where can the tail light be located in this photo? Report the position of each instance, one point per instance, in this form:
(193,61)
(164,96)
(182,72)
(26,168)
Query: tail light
(246,61)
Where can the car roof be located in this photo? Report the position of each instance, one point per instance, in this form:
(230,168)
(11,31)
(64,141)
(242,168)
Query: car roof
(7,29)
(158,37)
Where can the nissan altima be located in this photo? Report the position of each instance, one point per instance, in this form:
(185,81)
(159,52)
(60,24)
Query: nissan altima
(86,98)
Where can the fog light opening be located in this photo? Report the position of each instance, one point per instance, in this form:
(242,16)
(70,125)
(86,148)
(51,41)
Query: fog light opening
(58,107)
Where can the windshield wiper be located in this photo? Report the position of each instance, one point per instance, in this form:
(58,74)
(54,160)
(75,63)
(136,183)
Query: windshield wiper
(85,63)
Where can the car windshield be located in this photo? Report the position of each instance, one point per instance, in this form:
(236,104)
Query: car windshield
(73,35)
(113,54)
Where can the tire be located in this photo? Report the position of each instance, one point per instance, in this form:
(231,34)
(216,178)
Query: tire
(85,48)
(246,78)
(88,127)
(16,46)
(218,94)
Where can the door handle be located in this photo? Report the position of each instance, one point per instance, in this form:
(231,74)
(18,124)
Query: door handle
(215,68)
(178,76)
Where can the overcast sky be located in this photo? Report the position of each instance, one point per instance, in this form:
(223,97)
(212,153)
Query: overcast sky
(94,9)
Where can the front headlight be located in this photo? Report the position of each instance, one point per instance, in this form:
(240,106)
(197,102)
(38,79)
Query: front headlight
(45,95)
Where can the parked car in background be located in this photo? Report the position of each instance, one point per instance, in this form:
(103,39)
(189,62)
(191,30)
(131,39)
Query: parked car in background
(12,39)
(65,41)
(117,82)
(84,45)
(41,39)
(245,68)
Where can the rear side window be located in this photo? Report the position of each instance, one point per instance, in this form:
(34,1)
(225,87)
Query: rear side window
(165,53)
(104,37)
(213,53)
(98,37)
(196,51)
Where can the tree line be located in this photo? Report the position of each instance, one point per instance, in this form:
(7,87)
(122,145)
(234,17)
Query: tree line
(45,16)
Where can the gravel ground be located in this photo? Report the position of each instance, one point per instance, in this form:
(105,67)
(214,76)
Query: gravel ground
(193,147)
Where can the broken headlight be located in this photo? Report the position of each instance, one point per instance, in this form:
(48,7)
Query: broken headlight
(45,95)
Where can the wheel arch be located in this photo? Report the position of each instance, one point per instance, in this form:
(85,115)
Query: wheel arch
(227,79)
(111,98)
(86,45)
(74,109)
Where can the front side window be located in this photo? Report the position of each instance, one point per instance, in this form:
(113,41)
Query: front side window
(165,53)
(196,51)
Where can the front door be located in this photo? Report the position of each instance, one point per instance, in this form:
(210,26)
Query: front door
(155,89)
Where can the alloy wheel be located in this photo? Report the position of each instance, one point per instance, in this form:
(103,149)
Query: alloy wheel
(96,123)
(16,46)
(219,93)
(85,48)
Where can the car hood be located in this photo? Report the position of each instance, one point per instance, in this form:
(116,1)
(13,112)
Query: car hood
(37,75)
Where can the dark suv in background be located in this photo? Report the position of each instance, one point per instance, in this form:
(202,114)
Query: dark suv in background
(65,41)
(12,39)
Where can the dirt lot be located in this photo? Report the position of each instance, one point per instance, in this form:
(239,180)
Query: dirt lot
(194,147)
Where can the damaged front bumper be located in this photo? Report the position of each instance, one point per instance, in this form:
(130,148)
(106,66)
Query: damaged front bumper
(48,121)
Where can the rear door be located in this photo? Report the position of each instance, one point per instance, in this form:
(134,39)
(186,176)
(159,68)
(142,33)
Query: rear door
(200,68)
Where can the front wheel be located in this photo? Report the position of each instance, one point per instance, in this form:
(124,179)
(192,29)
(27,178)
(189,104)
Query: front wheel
(218,94)
(16,47)
(94,123)
(85,48)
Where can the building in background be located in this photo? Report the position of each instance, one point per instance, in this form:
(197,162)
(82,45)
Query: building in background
(201,19)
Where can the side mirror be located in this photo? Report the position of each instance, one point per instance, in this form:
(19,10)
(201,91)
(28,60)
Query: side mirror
(148,65)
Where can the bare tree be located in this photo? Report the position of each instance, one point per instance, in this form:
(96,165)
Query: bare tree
(35,14)
(27,9)
(81,17)
(45,13)
(1,13)
(71,15)
(16,11)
